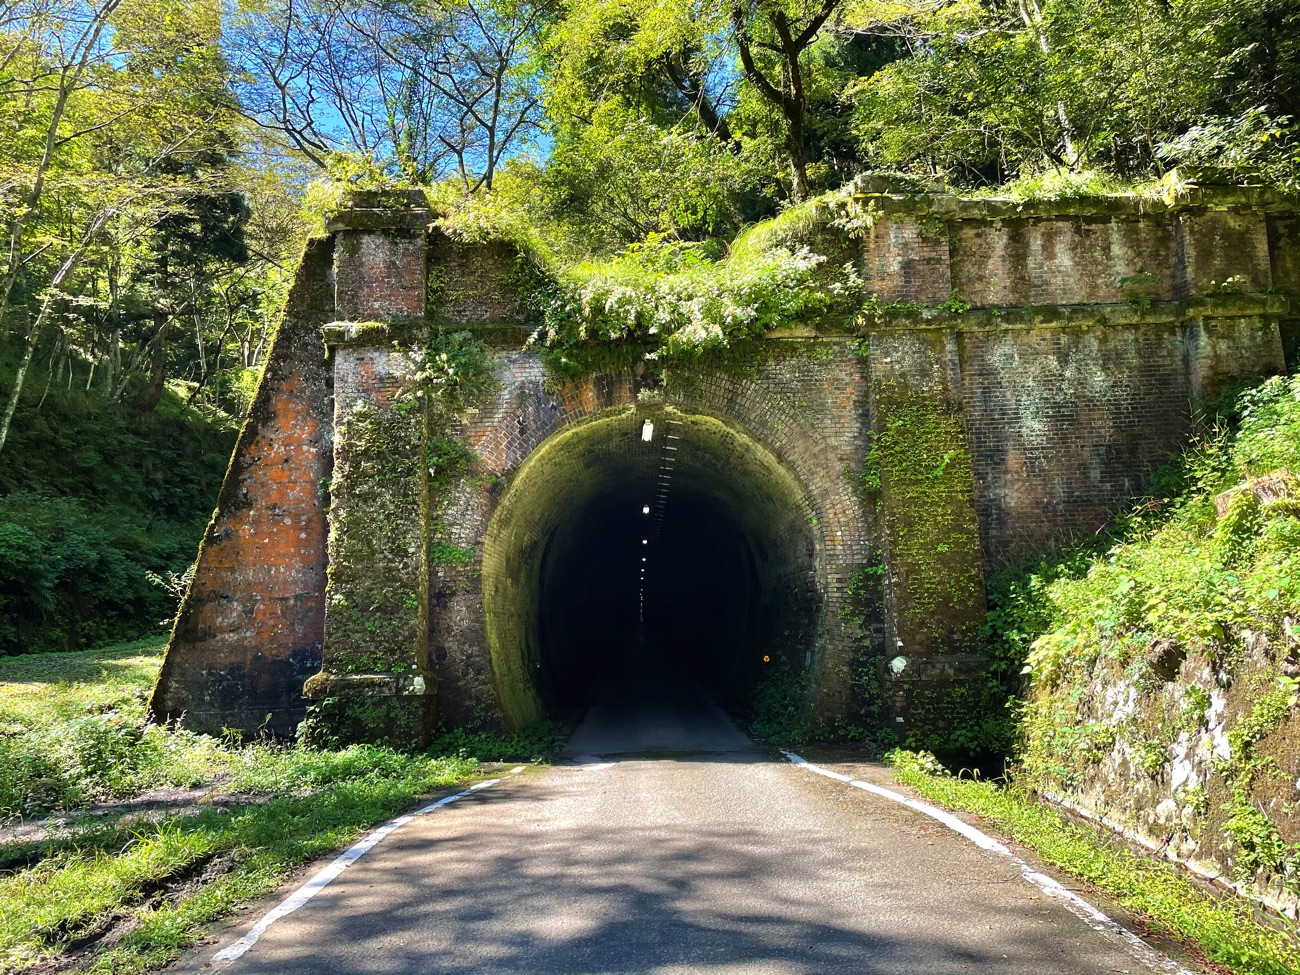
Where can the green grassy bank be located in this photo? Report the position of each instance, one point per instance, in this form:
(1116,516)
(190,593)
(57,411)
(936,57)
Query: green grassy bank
(1224,927)
(147,834)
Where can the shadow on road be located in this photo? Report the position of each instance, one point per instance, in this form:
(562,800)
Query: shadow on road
(612,900)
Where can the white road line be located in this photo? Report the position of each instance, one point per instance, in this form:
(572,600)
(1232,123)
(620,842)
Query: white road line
(1076,905)
(326,876)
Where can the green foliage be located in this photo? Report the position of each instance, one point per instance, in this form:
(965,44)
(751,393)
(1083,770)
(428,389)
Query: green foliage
(80,446)
(923,465)
(1020,608)
(93,500)
(1170,580)
(777,702)
(444,553)
(1254,142)
(536,744)
(676,299)
(1183,574)
(455,370)
(1056,185)
(625,178)
(1064,96)
(1225,929)
(128,895)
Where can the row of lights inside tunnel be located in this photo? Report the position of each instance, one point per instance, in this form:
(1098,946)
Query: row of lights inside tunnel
(656,509)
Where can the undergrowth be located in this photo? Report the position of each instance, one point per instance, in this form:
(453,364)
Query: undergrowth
(1223,927)
(100,889)
(1185,582)
(93,499)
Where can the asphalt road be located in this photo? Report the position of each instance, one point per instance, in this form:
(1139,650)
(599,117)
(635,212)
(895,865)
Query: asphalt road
(692,852)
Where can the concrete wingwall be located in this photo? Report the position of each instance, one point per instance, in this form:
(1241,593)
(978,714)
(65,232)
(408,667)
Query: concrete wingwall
(1044,364)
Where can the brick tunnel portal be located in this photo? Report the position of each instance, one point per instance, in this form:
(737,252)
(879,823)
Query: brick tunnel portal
(647,538)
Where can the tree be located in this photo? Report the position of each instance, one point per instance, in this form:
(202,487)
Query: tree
(420,89)
(772,39)
(49,49)
(625,178)
(123,133)
(669,58)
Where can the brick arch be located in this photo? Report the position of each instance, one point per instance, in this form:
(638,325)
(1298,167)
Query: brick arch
(802,407)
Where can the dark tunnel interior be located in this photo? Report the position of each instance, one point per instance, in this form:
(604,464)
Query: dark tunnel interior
(683,604)
(659,540)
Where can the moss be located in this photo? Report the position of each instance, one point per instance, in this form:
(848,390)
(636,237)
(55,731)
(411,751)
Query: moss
(376,615)
(397,467)
(401,723)
(444,553)
(920,467)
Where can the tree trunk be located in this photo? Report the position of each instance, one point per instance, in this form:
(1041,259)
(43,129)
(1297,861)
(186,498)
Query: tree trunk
(47,306)
(798,153)
(1032,14)
(148,399)
(69,80)
(33,334)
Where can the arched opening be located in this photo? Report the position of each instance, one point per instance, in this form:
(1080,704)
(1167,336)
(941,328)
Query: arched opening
(649,539)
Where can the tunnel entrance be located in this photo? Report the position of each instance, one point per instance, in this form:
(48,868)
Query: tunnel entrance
(647,540)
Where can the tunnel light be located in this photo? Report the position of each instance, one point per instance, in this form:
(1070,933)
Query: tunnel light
(645,509)
(645,541)
(643,558)
(647,431)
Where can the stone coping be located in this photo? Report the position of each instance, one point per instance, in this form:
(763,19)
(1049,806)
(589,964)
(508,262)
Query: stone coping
(509,335)
(412,221)
(409,209)
(324,684)
(951,206)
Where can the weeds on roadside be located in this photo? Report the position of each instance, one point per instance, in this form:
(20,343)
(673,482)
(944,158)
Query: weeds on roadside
(1224,928)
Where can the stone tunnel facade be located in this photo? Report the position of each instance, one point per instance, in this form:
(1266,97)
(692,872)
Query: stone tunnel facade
(401,575)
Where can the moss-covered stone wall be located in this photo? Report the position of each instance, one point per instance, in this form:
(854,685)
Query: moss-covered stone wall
(375,683)
(1015,374)
(1194,756)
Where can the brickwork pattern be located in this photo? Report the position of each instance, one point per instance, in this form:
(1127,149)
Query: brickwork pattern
(1066,425)
(379,275)
(1221,351)
(250,628)
(1212,246)
(916,379)
(902,262)
(474,284)
(1061,261)
(803,405)
(1284,251)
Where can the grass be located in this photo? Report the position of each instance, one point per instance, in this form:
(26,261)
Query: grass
(1225,928)
(112,893)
